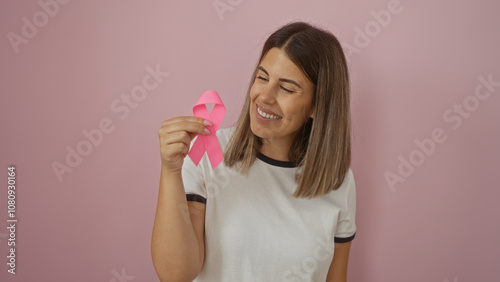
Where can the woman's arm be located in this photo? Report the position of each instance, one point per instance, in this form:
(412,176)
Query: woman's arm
(338,267)
(177,245)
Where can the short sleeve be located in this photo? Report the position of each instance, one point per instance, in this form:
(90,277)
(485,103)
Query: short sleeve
(194,184)
(346,225)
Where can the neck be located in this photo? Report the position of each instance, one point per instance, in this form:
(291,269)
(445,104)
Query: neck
(276,149)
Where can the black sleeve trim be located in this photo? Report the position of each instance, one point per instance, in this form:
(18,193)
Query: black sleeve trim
(344,240)
(196,198)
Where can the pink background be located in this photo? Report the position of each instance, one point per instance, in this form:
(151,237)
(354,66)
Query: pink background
(440,224)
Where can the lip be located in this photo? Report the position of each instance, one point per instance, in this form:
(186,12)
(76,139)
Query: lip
(266,110)
(259,117)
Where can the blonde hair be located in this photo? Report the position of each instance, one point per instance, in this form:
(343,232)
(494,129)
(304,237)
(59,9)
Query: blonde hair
(322,147)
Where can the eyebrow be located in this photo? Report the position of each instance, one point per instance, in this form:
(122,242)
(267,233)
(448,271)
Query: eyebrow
(281,79)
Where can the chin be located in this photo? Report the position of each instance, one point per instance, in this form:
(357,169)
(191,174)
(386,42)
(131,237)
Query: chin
(262,132)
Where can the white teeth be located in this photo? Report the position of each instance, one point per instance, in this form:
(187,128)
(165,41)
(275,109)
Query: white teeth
(266,115)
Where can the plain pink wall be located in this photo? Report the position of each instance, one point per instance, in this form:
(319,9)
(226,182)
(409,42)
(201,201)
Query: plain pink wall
(440,224)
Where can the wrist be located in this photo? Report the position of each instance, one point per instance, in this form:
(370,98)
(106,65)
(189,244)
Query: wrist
(165,170)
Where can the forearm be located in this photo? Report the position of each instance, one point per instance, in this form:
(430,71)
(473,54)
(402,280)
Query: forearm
(338,267)
(174,246)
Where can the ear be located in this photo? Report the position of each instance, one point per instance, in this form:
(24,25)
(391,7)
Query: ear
(313,113)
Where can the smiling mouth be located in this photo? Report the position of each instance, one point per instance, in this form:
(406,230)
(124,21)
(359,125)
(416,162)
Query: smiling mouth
(266,115)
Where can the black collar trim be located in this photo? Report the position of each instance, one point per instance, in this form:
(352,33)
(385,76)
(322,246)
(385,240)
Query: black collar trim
(274,162)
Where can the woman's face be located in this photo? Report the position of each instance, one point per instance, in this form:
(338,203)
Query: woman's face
(281,98)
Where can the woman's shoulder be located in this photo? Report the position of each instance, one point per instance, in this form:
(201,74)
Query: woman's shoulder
(347,187)
(349,183)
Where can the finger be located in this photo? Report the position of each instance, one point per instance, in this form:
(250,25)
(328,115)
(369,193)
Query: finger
(184,134)
(186,119)
(185,125)
(172,151)
(176,137)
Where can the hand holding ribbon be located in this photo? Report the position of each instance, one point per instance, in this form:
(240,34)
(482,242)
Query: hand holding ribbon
(208,143)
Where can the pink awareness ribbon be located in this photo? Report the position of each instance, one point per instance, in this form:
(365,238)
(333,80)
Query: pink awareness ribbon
(208,143)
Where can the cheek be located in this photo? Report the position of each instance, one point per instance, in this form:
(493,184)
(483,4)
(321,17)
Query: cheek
(291,108)
(253,92)
(295,112)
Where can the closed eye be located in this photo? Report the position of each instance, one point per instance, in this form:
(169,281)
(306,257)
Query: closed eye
(262,78)
(287,90)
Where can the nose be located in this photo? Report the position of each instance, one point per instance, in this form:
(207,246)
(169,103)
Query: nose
(268,94)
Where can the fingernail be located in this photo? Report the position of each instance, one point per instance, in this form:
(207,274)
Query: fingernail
(207,132)
(206,122)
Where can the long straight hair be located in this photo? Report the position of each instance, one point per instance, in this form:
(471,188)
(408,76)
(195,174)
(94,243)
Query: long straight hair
(322,146)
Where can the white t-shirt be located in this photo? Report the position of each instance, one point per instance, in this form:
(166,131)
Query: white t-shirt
(256,231)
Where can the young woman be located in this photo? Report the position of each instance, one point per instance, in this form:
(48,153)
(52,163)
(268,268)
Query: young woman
(281,207)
